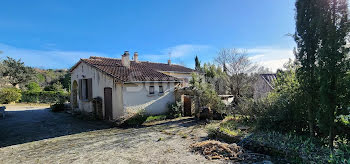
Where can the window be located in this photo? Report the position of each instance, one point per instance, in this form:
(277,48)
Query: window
(85,92)
(151,90)
(161,89)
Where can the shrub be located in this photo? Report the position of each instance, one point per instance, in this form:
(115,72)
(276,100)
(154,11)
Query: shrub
(285,108)
(45,97)
(207,95)
(294,148)
(33,87)
(251,108)
(57,107)
(341,154)
(8,95)
(175,110)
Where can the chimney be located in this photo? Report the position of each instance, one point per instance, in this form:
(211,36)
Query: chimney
(169,62)
(126,59)
(136,57)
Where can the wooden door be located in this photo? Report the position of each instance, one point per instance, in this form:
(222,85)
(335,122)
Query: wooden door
(108,103)
(187,106)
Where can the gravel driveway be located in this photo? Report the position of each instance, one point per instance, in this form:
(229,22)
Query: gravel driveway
(79,141)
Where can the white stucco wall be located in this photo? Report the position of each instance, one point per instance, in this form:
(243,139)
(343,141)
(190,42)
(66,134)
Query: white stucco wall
(136,97)
(99,82)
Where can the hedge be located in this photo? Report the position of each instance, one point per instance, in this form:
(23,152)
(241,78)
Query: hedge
(45,97)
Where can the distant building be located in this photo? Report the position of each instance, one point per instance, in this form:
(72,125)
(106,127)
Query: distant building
(264,85)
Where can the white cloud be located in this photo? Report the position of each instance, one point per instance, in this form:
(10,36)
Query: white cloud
(45,58)
(270,57)
(185,49)
(177,53)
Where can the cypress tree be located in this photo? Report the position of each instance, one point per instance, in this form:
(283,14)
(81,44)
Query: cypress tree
(307,37)
(331,60)
(197,64)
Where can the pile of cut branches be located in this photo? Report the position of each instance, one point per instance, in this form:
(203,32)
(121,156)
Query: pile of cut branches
(217,150)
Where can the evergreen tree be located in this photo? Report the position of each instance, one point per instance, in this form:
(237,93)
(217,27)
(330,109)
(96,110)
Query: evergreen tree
(197,63)
(331,60)
(307,37)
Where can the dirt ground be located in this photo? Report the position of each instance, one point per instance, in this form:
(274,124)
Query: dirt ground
(40,136)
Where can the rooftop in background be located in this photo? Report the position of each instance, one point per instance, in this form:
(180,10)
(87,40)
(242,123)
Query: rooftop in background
(269,78)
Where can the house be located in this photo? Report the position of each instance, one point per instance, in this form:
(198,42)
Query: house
(264,85)
(125,86)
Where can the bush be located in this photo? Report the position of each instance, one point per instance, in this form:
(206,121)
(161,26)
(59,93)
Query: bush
(8,95)
(284,107)
(33,87)
(57,107)
(45,97)
(175,110)
(294,148)
(251,108)
(341,154)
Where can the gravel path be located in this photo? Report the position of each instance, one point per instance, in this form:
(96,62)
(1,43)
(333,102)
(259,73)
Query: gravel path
(78,141)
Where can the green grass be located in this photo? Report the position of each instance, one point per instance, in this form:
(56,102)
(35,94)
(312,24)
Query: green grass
(156,118)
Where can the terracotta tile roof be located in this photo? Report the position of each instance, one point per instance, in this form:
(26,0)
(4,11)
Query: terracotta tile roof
(269,79)
(138,71)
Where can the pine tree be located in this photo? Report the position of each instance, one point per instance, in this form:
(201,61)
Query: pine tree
(331,60)
(307,37)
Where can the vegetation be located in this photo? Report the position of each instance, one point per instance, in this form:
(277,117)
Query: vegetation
(322,30)
(34,85)
(156,118)
(9,95)
(307,37)
(45,97)
(175,110)
(15,72)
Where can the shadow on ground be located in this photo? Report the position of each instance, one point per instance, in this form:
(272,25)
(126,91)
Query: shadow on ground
(183,122)
(22,126)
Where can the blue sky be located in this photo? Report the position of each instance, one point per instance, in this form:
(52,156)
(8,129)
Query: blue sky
(55,34)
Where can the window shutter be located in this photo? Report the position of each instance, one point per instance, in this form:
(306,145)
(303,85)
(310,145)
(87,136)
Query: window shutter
(80,88)
(89,85)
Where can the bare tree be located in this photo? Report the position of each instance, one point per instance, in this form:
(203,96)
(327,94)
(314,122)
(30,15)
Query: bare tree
(238,67)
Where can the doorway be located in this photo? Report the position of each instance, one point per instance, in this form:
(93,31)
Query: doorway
(108,103)
(187,106)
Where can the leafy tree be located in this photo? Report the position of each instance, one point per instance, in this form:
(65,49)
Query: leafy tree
(33,87)
(307,37)
(54,87)
(16,72)
(332,62)
(197,64)
(65,81)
